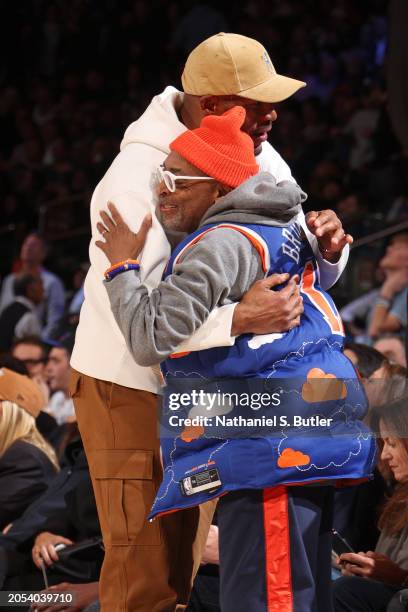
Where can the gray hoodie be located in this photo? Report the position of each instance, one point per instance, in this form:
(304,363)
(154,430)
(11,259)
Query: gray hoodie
(215,271)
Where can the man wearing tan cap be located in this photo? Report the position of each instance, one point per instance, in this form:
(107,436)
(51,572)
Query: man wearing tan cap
(149,567)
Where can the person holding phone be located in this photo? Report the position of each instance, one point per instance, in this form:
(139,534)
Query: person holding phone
(371,579)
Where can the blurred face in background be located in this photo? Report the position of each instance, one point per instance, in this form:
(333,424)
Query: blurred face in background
(392,348)
(32,250)
(33,357)
(394,452)
(396,254)
(57,370)
(374,386)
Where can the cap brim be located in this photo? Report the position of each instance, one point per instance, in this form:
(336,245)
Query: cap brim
(275,89)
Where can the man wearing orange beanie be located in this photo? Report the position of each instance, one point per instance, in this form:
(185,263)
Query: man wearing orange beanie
(242,225)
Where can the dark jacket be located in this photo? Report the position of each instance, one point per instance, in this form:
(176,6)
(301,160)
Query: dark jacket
(53,501)
(25,473)
(8,321)
(67,508)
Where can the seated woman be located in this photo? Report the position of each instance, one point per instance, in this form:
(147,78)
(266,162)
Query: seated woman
(27,461)
(371,579)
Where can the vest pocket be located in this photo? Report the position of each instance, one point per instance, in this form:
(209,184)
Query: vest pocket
(125,491)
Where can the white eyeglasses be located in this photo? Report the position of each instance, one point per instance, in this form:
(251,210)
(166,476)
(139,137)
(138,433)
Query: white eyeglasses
(170,179)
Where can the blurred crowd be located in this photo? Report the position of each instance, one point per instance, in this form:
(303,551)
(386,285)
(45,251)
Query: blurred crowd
(83,71)
(49,529)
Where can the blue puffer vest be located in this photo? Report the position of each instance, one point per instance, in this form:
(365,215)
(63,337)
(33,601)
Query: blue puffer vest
(219,431)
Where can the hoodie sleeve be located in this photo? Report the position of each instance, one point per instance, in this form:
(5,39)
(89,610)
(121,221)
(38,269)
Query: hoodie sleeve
(217,270)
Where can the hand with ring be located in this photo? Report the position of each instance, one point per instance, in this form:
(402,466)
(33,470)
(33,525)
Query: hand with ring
(120,242)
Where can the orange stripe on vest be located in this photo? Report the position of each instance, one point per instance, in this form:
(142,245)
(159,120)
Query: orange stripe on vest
(319,300)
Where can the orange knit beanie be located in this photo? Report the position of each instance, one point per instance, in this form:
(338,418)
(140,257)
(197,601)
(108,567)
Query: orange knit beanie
(219,148)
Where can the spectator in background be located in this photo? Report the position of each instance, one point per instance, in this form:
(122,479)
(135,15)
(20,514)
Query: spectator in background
(31,351)
(392,347)
(27,462)
(65,510)
(20,317)
(366,360)
(390,311)
(57,371)
(384,383)
(32,255)
(78,296)
(371,579)
(383,309)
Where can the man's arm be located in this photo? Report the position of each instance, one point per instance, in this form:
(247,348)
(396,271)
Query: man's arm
(390,306)
(221,266)
(218,329)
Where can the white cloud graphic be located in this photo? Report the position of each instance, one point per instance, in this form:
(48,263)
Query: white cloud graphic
(261,339)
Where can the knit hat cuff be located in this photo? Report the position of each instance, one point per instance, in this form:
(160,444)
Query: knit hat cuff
(221,167)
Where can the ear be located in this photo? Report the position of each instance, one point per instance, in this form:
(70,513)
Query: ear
(223,190)
(208,104)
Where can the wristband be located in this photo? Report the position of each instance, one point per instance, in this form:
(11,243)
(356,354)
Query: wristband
(121,266)
(382,301)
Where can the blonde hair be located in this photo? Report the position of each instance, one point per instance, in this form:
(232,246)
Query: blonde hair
(17,424)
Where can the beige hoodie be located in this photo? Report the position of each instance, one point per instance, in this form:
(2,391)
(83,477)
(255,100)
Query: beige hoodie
(100,349)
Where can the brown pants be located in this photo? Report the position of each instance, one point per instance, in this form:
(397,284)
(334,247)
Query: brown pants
(148,567)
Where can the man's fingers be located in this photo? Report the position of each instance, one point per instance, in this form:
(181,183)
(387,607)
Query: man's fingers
(340,239)
(273,280)
(116,216)
(311,217)
(295,323)
(292,289)
(101,228)
(329,226)
(101,245)
(107,219)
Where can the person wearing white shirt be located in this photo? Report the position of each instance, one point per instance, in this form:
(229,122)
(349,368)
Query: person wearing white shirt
(150,566)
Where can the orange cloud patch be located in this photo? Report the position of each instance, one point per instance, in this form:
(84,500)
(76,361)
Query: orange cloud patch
(322,387)
(192,433)
(292,458)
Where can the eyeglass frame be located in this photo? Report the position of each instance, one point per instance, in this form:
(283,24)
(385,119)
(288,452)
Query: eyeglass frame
(169,178)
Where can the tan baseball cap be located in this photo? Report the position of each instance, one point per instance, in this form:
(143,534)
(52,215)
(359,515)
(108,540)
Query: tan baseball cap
(21,390)
(231,64)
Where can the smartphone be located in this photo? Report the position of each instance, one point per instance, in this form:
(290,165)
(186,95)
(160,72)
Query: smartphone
(340,544)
